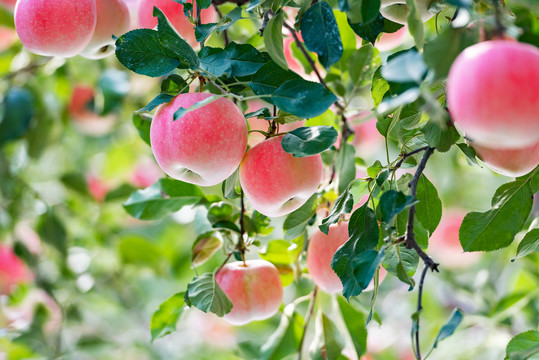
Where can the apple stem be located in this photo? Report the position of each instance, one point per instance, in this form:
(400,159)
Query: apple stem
(308,316)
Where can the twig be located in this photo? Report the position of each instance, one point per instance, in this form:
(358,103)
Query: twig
(238,2)
(264,22)
(225,33)
(500,28)
(308,317)
(241,244)
(29,68)
(419,308)
(407,155)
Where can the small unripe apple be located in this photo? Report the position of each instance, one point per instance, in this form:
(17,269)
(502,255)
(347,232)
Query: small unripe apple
(174,13)
(493,94)
(55,28)
(13,271)
(397,10)
(113,18)
(205,146)
(254,287)
(510,162)
(276,183)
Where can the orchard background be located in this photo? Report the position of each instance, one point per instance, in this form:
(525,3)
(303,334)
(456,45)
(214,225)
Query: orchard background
(102,255)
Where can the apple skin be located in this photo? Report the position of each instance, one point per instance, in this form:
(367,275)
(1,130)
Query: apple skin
(174,13)
(113,18)
(493,94)
(55,28)
(276,183)
(13,271)
(254,288)
(397,10)
(389,41)
(203,147)
(510,162)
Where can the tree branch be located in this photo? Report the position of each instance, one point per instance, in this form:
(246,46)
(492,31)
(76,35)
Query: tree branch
(407,155)
(308,317)
(419,308)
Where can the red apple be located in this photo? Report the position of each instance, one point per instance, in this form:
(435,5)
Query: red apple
(493,94)
(389,41)
(97,188)
(13,271)
(7,37)
(276,183)
(8,4)
(174,12)
(204,146)
(254,288)
(397,10)
(113,18)
(510,162)
(81,110)
(55,28)
(444,244)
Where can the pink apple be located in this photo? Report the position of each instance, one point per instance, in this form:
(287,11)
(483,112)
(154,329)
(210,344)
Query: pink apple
(276,183)
(146,173)
(293,63)
(55,28)
(174,12)
(444,244)
(367,139)
(8,4)
(510,162)
(204,146)
(81,111)
(493,94)
(97,188)
(13,270)
(8,36)
(397,10)
(389,41)
(254,288)
(113,18)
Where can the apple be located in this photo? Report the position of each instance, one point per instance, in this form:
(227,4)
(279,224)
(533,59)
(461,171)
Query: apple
(205,146)
(7,37)
(389,41)
(254,287)
(81,111)
(493,94)
(97,188)
(397,10)
(444,244)
(55,28)
(146,173)
(174,13)
(276,183)
(113,18)
(13,270)
(510,162)
(367,139)
(8,4)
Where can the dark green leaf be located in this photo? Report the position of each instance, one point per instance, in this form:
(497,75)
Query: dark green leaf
(296,222)
(245,59)
(310,140)
(273,40)
(440,137)
(75,182)
(362,11)
(215,61)
(529,244)
(142,124)
(158,100)
(269,77)
(160,199)
(449,328)
(429,207)
(18,112)
(469,152)
(392,202)
(345,166)
(401,262)
(203,31)
(321,34)
(206,295)
(369,30)
(461,3)
(52,231)
(164,320)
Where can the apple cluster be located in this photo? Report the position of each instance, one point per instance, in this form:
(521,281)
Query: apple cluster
(493,98)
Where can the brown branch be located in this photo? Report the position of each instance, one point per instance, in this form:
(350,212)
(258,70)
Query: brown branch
(419,308)
(238,2)
(407,155)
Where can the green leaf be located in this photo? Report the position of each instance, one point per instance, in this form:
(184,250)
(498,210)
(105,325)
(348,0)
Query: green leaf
(273,40)
(449,328)
(206,295)
(245,59)
(280,252)
(286,338)
(379,87)
(215,61)
(356,261)
(528,245)
(269,77)
(362,64)
(137,250)
(165,318)
(401,262)
(321,34)
(76,182)
(309,140)
(429,207)
(182,111)
(369,30)
(158,100)
(345,166)
(406,66)
(440,136)
(496,228)
(141,51)
(469,152)
(18,106)
(355,323)
(363,10)
(327,342)
(229,186)
(296,222)
(52,231)
(415,24)
(392,202)
(204,247)
(142,124)
(523,346)
(440,53)
(160,199)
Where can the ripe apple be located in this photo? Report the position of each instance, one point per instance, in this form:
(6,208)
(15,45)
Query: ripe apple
(8,4)
(204,146)
(397,10)
(276,183)
(493,94)
(97,187)
(113,18)
(7,37)
(55,28)
(510,162)
(174,13)
(81,111)
(146,173)
(389,41)
(13,271)
(254,288)
(444,244)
